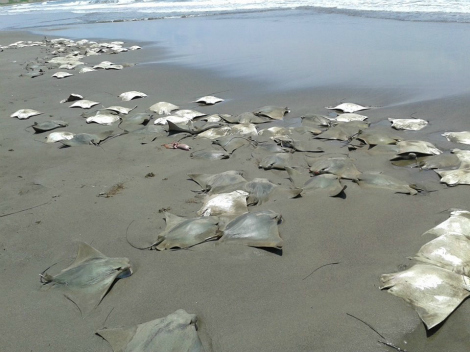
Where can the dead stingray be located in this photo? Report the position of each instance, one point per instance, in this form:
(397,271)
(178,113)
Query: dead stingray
(349,117)
(128,96)
(276,131)
(408,124)
(103,119)
(208,100)
(194,128)
(458,223)
(417,147)
(344,131)
(240,129)
(120,109)
(71,97)
(455,177)
(218,183)
(140,118)
(60,75)
(86,139)
(257,229)
(48,125)
(458,137)
(375,137)
(175,332)
(89,278)
(348,107)
(442,161)
(183,233)
(277,161)
(59,136)
(449,251)
(273,112)
(191,114)
(246,117)
(86,69)
(260,189)
(464,157)
(232,143)
(316,120)
(378,180)
(311,146)
(338,165)
(84,104)
(108,65)
(23,114)
(327,182)
(226,204)
(163,108)
(210,154)
(433,292)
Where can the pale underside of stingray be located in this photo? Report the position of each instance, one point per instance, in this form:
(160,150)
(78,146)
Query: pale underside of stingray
(89,278)
(455,177)
(213,118)
(464,157)
(59,136)
(175,333)
(232,203)
(208,100)
(172,118)
(121,109)
(84,104)
(103,119)
(276,131)
(378,180)
(133,94)
(343,167)
(273,112)
(257,229)
(60,75)
(458,137)
(349,117)
(163,108)
(107,65)
(71,97)
(192,114)
(261,189)
(48,125)
(408,124)
(86,69)
(450,251)
(417,147)
(240,129)
(326,182)
(457,223)
(348,107)
(219,183)
(433,292)
(71,65)
(23,114)
(277,161)
(183,233)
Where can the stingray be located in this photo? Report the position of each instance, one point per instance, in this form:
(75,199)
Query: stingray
(408,124)
(140,118)
(176,332)
(299,146)
(191,127)
(348,107)
(217,183)
(340,166)
(417,147)
(240,129)
(103,119)
(277,161)
(89,278)
(71,65)
(458,223)
(269,147)
(463,156)
(246,117)
(86,139)
(377,137)
(173,119)
(260,189)
(344,131)
(163,108)
(48,125)
(327,182)
(232,203)
(60,75)
(128,96)
(450,251)
(349,117)
(257,229)
(210,154)
(86,69)
(23,114)
(455,177)
(273,112)
(134,47)
(442,161)
(208,100)
(434,292)
(121,109)
(189,113)
(71,97)
(232,143)
(213,118)
(107,65)
(458,137)
(59,136)
(316,120)
(276,131)
(184,233)
(84,104)
(378,180)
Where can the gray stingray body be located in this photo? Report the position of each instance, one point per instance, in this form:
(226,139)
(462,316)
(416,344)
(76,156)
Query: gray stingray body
(434,292)
(344,131)
(86,139)
(191,127)
(260,190)
(175,332)
(442,161)
(311,146)
(455,177)
(325,182)
(210,154)
(458,137)
(343,167)
(377,180)
(258,229)
(273,112)
(315,120)
(184,233)
(458,223)
(246,117)
(417,147)
(277,161)
(218,183)
(48,125)
(141,118)
(374,137)
(89,278)
(232,143)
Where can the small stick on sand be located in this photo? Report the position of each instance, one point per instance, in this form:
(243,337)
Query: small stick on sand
(334,263)
(19,211)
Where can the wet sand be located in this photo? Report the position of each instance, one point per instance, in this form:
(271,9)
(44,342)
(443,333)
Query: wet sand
(246,299)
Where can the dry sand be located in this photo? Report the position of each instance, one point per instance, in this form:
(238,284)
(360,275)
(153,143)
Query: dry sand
(246,299)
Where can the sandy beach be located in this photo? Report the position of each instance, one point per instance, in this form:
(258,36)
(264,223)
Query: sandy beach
(245,298)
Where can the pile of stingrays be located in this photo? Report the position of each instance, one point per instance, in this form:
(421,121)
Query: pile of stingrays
(225,216)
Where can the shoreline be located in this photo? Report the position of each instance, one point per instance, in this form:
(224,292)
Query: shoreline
(245,298)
